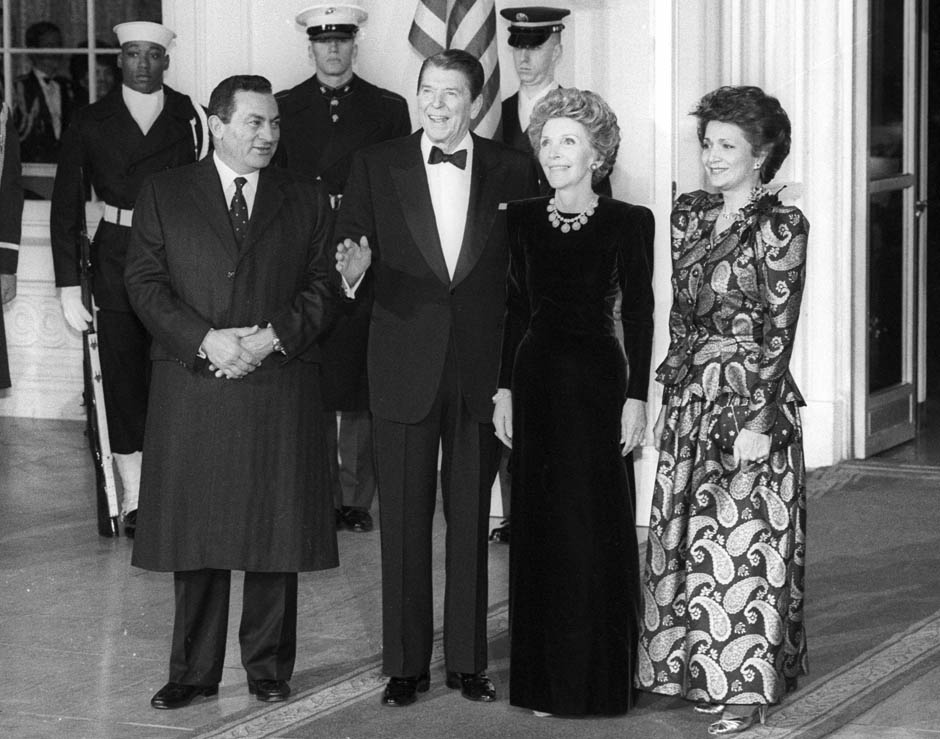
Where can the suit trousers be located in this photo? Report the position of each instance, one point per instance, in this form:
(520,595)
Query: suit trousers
(267,635)
(406,458)
(352,469)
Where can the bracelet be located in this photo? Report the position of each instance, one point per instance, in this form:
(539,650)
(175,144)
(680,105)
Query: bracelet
(502,394)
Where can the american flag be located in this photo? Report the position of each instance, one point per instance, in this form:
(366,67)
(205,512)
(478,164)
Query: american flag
(469,25)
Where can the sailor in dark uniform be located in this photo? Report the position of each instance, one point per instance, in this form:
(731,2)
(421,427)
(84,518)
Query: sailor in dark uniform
(113,145)
(324,121)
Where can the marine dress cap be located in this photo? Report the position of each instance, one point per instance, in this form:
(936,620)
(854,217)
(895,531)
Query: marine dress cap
(153,33)
(331,21)
(531,26)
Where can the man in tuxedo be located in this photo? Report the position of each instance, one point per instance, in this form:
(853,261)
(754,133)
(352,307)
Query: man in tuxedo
(425,214)
(324,121)
(44,98)
(139,128)
(230,267)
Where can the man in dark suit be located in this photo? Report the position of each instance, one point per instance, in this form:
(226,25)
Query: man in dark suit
(44,98)
(324,121)
(428,212)
(114,145)
(11,219)
(230,268)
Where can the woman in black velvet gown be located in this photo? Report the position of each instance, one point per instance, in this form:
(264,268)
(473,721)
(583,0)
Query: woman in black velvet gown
(571,402)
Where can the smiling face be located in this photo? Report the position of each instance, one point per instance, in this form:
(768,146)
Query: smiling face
(446,106)
(334,58)
(248,141)
(566,154)
(142,65)
(728,158)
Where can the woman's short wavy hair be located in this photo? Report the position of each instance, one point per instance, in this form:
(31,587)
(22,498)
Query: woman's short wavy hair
(760,116)
(591,111)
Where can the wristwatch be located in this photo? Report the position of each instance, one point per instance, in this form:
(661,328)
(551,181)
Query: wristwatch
(278,346)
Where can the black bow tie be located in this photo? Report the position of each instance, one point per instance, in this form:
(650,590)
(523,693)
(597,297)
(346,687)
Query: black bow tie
(458,158)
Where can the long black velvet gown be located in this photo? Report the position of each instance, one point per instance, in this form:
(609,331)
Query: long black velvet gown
(574,570)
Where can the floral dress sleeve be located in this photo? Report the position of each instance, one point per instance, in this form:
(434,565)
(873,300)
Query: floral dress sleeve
(779,242)
(675,366)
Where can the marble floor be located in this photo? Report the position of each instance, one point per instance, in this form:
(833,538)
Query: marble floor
(84,636)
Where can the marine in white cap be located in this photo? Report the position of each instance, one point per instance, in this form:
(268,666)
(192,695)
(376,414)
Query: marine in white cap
(113,145)
(324,121)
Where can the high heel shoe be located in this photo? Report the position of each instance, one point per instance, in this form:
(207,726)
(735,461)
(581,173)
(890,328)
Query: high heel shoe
(731,724)
(709,708)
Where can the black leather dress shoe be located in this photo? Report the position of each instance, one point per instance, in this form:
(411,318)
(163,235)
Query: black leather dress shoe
(501,532)
(357,519)
(177,695)
(474,686)
(130,524)
(269,691)
(402,691)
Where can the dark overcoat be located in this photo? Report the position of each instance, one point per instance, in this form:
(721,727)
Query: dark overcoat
(234,473)
(11,217)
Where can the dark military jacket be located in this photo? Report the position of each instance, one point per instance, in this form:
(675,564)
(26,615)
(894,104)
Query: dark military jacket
(321,127)
(104,148)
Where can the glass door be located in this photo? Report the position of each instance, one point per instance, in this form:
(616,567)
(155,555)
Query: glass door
(892,234)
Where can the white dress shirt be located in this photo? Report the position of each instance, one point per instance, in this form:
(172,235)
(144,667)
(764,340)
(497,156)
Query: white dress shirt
(528,101)
(450,197)
(144,108)
(227,175)
(52,94)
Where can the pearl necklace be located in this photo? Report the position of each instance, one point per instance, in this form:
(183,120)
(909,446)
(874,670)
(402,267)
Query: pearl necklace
(570,223)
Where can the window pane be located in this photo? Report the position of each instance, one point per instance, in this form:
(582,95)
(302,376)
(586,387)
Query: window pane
(49,85)
(887,88)
(885,289)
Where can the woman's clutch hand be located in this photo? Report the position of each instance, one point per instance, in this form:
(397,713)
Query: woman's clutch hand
(502,415)
(658,427)
(632,425)
(751,447)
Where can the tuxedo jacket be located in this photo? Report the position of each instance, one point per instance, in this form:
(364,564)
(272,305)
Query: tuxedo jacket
(417,308)
(38,142)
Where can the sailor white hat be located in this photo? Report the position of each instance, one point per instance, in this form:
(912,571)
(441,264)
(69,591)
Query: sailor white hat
(154,33)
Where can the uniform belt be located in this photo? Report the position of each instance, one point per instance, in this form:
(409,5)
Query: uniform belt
(118,216)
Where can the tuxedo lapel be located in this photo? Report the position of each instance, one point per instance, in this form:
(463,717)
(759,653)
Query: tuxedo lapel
(481,208)
(411,183)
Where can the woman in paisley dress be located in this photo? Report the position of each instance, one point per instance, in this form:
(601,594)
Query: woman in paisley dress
(723,585)
(570,404)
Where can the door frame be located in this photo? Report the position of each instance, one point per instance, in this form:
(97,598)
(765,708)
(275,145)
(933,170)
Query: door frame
(887,417)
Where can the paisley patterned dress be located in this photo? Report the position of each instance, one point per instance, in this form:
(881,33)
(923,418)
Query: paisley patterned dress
(723,586)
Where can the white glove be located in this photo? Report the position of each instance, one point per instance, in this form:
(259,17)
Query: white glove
(73,310)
